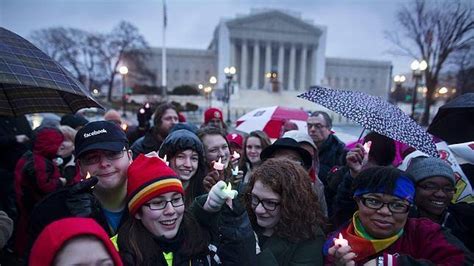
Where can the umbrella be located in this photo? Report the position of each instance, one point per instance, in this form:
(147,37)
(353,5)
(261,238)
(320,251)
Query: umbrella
(32,82)
(454,122)
(374,113)
(271,119)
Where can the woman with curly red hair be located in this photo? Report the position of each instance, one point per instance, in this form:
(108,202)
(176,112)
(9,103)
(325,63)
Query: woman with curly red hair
(285,214)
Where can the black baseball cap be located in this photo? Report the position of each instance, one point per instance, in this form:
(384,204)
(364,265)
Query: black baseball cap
(100,135)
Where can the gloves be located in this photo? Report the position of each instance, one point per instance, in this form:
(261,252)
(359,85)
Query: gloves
(218,195)
(81,202)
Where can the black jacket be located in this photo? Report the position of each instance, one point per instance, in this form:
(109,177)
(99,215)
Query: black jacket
(146,144)
(331,153)
(10,149)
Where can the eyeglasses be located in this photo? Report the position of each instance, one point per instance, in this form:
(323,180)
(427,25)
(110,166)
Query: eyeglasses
(269,205)
(394,206)
(161,204)
(94,158)
(317,126)
(435,188)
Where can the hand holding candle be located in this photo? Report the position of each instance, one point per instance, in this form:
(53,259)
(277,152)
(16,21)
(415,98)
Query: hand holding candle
(340,242)
(236,155)
(219,166)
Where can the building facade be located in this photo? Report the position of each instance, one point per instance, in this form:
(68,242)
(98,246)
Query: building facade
(269,47)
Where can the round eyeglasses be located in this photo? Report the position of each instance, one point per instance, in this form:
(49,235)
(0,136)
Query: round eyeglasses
(394,206)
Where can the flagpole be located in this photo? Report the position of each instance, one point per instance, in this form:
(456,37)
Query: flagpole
(164,92)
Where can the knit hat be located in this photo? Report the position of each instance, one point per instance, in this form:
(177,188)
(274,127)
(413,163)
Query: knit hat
(100,135)
(421,168)
(148,178)
(56,235)
(236,139)
(212,113)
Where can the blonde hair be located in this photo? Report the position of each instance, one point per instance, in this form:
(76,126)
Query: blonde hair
(69,133)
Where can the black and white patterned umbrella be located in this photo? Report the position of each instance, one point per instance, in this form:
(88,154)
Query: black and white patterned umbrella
(32,82)
(374,113)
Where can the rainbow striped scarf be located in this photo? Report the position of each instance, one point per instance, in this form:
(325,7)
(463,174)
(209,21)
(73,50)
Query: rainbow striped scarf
(362,243)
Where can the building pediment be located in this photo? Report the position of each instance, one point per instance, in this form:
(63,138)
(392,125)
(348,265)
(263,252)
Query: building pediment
(274,21)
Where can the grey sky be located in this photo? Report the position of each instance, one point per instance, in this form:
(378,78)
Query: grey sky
(355,27)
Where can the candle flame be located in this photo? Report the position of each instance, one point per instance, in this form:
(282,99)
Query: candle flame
(340,236)
(220,160)
(88,175)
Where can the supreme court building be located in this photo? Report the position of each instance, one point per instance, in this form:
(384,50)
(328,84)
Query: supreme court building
(277,54)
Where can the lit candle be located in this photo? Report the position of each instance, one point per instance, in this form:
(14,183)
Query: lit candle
(165,160)
(341,242)
(218,165)
(235,171)
(367,146)
(88,175)
(236,155)
(228,190)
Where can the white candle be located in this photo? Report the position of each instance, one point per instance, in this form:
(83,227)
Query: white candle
(341,242)
(367,146)
(236,155)
(235,171)
(218,165)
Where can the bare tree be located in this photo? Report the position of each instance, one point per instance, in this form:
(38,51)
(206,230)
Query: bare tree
(125,38)
(433,31)
(71,48)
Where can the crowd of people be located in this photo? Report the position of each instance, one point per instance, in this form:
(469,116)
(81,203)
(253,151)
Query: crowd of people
(168,192)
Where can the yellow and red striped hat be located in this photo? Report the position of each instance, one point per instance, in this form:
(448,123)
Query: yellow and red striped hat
(148,178)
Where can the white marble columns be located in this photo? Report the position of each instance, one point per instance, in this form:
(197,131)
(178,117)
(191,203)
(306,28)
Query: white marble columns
(292,75)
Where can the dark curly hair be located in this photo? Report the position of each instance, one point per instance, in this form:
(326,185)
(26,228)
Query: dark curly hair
(301,216)
(378,176)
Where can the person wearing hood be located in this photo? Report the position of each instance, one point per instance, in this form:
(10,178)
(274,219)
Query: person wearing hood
(435,188)
(36,175)
(74,241)
(185,154)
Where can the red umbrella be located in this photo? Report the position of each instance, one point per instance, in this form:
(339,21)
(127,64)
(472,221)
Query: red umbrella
(271,119)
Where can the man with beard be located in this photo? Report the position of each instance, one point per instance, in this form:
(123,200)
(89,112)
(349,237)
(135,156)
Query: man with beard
(165,118)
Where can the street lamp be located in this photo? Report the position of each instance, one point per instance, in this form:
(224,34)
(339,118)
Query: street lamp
(398,80)
(229,74)
(417,68)
(123,70)
(208,93)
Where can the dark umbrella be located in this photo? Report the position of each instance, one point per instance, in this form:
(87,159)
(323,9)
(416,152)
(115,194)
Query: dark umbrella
(32,82)
(454,122)
(374,113)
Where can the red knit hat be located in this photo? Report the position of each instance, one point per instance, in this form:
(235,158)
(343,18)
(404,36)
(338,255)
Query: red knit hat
(148,178)
(212,113)
(234,138)
(56,235)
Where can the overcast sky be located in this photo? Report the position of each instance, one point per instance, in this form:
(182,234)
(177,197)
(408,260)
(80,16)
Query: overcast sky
(355,27)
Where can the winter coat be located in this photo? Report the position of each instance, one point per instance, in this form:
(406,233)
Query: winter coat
(331,153)
(146,144)
(56,235)
(54,207)
(36,175)
(231,231)
(343,203)
(422,243)
(277,251)
(10,149)
(459,219)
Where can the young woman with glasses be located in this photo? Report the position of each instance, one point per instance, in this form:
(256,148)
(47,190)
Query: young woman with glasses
(380,232)
(159,230)
(285,214)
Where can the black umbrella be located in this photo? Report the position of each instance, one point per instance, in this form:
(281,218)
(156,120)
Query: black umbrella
(374,113)
(454,122)
(32,82)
